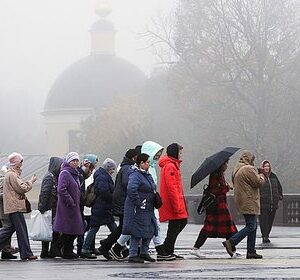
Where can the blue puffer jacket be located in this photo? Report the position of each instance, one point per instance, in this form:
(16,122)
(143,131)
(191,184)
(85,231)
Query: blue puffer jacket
(102,207)
(139,218)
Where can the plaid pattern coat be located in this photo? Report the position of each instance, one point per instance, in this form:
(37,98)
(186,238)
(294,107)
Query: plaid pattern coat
(218,223)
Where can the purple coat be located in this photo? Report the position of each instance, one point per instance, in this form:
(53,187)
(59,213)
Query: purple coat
(68,217)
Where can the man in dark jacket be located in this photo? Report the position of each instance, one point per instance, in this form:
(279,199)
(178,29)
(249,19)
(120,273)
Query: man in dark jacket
(48,199)
(119,196)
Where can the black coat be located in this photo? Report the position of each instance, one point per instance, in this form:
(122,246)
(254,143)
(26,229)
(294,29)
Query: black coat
(270,193)
(120,191)
(48,193)
(102,207)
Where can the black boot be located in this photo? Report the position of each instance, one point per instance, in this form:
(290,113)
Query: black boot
(162,255)
(115,252)
(45,249)
(7,256)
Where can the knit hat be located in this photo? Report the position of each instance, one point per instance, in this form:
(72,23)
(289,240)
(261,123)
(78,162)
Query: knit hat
(15,158)
(172,150)
(109,164)
(131,153)
(90,158)
(71,156)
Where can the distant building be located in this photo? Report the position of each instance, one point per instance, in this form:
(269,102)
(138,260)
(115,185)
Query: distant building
(87,85)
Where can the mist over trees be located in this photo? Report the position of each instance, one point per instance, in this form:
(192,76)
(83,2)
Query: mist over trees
(237,69)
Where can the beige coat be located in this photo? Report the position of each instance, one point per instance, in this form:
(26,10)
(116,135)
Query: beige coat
(246,185)
(14,192)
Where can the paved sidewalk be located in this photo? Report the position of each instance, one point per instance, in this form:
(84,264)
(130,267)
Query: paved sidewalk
(281,261)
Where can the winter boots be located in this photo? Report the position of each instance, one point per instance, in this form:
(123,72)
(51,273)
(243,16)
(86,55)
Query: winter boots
(162,255)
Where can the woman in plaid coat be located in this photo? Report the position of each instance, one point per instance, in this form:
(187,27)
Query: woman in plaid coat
(218,222)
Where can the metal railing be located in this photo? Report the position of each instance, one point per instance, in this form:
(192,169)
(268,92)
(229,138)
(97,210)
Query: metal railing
(288,212)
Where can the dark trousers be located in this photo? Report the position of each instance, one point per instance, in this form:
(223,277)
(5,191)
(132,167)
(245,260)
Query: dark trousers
(45,244)
(202,237)
(174,228)
(113,236)
(266,220)
(18,225)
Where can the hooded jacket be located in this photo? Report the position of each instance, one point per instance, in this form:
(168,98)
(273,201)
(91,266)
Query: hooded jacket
(151,148)
(48,193)
(246,185)
(271,191)
(171,190)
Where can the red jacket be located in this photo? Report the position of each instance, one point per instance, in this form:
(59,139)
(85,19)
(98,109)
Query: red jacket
(171,190)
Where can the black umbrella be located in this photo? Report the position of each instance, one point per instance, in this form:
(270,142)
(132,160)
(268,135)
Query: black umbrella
(211,164)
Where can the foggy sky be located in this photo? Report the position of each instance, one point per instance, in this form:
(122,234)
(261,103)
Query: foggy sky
(40,38)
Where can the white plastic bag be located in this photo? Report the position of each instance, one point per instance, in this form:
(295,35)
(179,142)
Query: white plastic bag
(41,226)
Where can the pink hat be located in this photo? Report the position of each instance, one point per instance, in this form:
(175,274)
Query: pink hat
(15,158)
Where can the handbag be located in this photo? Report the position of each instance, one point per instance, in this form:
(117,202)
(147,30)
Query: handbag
(208,201)
(89,196)
(27,205)
(157,200)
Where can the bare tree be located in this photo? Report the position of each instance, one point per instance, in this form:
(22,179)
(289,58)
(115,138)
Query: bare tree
(237,65)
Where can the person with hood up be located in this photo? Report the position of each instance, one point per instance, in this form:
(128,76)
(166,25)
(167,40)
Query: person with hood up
(68,220)
(246,184)
(171,189)
(48,199)
(155,150)
(102,206)
(139,218)
(270,194)
(14,202)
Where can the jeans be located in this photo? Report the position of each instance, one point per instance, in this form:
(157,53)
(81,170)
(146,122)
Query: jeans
(249,230)
(123,239)
(92,234)
(134,245)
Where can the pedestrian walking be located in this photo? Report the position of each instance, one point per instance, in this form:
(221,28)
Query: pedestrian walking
(174,208)
(270,195)
(118,251)
(68,219)
(102,206)
(139,218)
(246,184)
(218,222)
(14,201)
(8,251)
(48,200)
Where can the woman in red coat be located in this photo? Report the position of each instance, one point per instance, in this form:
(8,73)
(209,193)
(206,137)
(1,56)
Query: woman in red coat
(171,190)
(218,222)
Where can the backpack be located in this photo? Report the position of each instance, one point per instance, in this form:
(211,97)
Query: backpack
(89,196)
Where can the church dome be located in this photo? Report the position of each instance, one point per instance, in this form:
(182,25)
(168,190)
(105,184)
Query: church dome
(93,82)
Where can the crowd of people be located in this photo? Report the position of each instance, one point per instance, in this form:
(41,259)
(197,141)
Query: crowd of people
(134,199)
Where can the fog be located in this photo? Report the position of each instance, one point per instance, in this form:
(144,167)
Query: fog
(219,73)
(40,39)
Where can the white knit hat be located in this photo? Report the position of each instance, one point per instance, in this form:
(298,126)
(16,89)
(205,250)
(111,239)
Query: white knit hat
(71,156)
